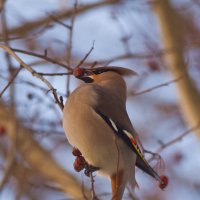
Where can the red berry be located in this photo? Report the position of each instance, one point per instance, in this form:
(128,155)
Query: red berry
(153,65)
(79,163)
(78,72)
(76,152)
(2,130)
(162,185)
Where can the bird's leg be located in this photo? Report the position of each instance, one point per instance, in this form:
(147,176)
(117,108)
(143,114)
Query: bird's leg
(117,185)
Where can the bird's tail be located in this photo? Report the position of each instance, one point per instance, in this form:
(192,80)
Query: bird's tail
(144,166)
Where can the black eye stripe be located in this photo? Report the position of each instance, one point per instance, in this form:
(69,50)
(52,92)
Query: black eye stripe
(87,79)
(99,71)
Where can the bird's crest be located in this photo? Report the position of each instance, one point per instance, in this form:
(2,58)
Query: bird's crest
(86,72)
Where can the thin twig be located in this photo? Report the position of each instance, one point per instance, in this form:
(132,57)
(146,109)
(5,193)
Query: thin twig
(86,56)
(94,64)
(54,74)
(156,155)
(59,22)
(69,48)
(33,72)
(126,56)
(180,137)
(42,56)
(92,186)
(156,87)
(11,81)
(22,81)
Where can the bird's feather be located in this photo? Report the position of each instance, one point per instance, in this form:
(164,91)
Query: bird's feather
(131,142)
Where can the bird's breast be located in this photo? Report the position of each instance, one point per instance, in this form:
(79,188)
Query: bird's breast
(88,132)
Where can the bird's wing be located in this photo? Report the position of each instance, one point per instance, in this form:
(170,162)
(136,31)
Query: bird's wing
(113,112)
(131,142)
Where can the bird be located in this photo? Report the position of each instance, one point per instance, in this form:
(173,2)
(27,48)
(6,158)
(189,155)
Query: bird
(96,122)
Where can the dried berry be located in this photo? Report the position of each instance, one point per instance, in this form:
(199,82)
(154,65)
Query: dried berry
(78,72)
(79,163)
(177,157)
(162,185)
(76,152)
(2,130)
(153,65)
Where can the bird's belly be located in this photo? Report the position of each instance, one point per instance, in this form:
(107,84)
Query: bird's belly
(97,142)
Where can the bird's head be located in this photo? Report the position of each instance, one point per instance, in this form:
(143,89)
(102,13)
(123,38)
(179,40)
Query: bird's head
(91,74)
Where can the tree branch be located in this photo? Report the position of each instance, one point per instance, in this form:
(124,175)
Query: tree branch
(39,158)
(171,34)
(34,73)
(155,87)
(30,26)
(10,81)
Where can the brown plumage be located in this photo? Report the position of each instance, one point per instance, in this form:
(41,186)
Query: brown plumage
(96,122)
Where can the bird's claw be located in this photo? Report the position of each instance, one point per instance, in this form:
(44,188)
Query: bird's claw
(90,169)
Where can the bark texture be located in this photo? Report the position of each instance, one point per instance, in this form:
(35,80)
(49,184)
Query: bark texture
(171,34)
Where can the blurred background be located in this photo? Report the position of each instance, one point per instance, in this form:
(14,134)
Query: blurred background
(41,41)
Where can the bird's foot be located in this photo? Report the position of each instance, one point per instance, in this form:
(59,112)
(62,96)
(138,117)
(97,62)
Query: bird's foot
(90,169)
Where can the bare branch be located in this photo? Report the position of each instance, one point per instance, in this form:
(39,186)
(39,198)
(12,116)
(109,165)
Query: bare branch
(54,74)
(30,26)
(155,87)
(33,72)
(92,186)
(69,46)
(189,96)
(59,22)
(127,56)
(86,56)
(175,140)
(43,56)
(11,81)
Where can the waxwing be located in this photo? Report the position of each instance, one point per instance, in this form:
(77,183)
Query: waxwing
(96,122)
